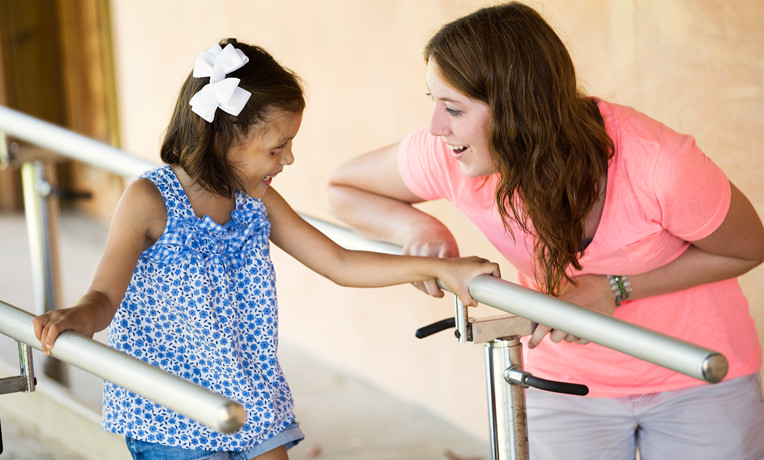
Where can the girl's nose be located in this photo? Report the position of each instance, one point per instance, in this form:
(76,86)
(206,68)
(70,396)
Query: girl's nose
(287,158)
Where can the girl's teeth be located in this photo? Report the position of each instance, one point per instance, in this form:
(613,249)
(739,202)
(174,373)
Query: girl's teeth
(458,148)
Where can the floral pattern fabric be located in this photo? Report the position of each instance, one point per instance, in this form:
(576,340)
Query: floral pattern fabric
(202,305)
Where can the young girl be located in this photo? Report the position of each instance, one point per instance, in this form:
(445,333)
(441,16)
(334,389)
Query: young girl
(186,282)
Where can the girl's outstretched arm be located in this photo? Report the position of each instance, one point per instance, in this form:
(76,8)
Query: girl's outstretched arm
(366,269)
(138,221)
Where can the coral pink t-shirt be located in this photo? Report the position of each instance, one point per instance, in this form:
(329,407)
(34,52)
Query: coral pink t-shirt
(662,192)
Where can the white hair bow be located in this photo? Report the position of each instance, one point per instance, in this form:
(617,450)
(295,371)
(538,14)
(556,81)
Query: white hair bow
(220,92)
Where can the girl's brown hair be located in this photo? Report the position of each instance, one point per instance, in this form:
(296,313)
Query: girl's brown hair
(201,148)
(548,141)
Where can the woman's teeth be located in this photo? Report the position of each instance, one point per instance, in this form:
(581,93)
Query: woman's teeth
(458,148)
(268,178)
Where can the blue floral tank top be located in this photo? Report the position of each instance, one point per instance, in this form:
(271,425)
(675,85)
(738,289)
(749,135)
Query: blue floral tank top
(202,305)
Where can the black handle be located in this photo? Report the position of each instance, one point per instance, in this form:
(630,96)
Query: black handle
(557,387)
(437,326)
(65,194)
(523,378)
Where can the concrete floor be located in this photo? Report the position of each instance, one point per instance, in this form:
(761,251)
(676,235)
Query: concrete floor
(342,417)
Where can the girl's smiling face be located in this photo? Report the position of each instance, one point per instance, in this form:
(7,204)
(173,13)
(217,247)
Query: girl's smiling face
(462,123)
(264,151)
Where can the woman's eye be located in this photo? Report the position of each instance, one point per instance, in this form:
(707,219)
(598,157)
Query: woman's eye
(453,112)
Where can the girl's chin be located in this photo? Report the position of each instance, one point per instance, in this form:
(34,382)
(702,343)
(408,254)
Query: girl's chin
(256,192)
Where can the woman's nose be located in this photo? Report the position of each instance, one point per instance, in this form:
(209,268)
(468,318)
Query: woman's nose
(438,126)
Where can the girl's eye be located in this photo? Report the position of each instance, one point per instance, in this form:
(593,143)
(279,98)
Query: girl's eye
(274,151)
(453,112)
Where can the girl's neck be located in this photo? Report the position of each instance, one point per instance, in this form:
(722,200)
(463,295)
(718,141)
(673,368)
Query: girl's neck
(204,202)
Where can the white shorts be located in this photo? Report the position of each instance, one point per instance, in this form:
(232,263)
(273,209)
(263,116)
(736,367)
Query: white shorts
(721,421)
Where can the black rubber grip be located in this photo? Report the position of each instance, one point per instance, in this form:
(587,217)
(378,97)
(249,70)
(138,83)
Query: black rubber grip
(437,326)
(557,387)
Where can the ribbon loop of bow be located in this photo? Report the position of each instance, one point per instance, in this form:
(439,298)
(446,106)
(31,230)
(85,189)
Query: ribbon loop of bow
(220,92)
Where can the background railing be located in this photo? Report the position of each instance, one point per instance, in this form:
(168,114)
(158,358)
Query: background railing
(657,348)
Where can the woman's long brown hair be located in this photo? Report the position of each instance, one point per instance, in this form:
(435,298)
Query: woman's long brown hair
(548,141)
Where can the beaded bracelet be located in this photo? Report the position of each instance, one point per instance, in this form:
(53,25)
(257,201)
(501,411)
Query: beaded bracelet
(621,288)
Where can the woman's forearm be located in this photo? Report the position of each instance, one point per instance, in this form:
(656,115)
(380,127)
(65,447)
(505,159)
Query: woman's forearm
(694,267)
(379,217)
(731,250)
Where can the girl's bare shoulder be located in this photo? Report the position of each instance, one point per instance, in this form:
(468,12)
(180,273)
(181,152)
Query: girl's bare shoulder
(142,208)
(143,194)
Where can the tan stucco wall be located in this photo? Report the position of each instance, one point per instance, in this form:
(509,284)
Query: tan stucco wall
(698,66)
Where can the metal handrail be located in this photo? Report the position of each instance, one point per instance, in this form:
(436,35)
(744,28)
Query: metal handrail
(651,346)
(645,344)
(72,145)
(175,393)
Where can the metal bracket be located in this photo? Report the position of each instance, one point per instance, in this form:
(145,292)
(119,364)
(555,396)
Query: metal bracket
(483,330)
(25,381)
(5,152)
(14,153)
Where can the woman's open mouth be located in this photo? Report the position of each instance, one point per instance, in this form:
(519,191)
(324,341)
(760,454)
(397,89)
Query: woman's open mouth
(457,150)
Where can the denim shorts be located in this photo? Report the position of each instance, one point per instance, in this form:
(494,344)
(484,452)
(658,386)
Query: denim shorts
(142,450)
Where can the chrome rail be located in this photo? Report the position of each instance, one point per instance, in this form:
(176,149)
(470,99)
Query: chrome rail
(74,146)
(182,396)
(645,344)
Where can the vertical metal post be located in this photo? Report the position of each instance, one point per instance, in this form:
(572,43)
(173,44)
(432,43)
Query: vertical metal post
(506,403)
(26,367)
(460,321)
(43,251)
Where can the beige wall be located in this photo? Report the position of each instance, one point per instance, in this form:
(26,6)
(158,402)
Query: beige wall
(698,66)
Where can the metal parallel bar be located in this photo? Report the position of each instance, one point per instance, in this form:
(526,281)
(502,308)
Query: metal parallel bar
(175,393)
(73,145)
(636,341)
(655,347)
(663,350)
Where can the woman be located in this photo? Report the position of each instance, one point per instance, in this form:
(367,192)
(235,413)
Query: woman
(592,202)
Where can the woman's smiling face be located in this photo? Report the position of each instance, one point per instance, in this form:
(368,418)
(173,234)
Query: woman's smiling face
(462,123)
